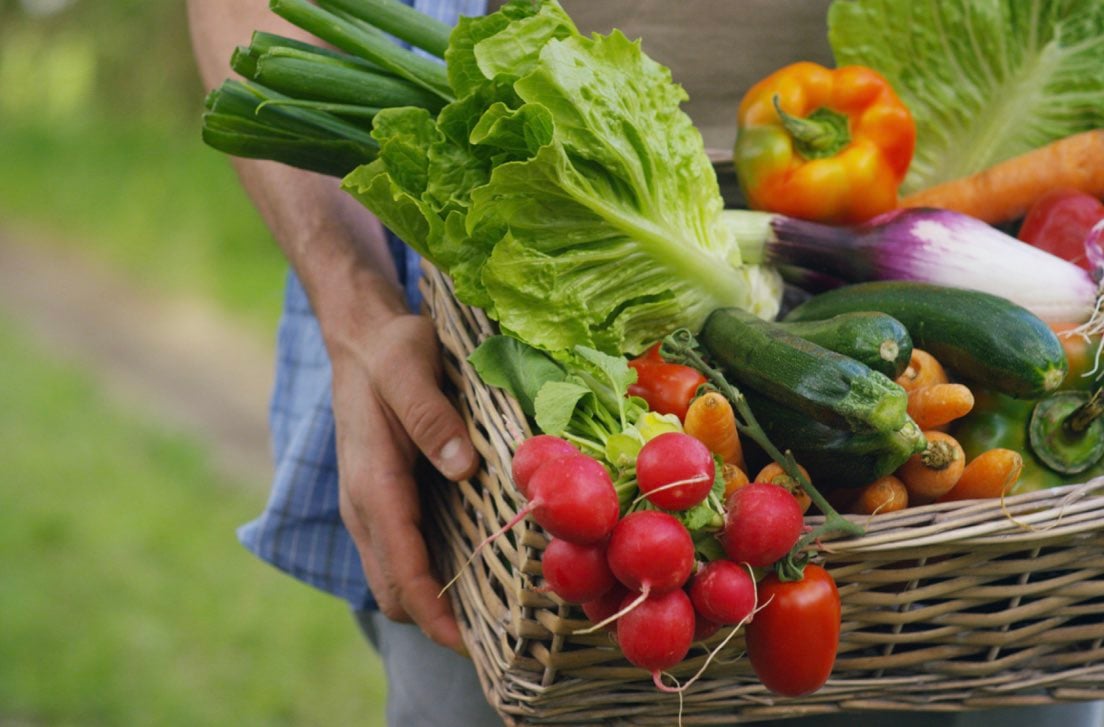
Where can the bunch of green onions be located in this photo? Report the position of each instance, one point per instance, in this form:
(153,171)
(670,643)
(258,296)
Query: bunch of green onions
(312,107)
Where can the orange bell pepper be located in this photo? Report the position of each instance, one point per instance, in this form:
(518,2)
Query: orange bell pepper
(825,145)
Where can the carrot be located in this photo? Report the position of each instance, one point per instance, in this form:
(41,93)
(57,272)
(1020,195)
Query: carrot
(933,472)
(710,419)
(885,494)
(775,475)
(1006,190)
(734,479)
(923,370)
(938,404)
(991,474)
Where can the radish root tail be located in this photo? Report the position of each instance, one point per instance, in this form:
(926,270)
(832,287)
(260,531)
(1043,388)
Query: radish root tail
(487,541)
(755,608)
(610,619)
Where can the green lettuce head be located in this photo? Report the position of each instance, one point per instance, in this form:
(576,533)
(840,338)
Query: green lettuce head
(564,191)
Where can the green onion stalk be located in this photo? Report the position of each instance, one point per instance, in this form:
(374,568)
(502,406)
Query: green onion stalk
(312,107)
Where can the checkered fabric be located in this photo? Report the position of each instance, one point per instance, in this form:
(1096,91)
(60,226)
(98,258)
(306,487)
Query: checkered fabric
(300,530)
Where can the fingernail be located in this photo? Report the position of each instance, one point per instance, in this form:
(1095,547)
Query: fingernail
(454,458)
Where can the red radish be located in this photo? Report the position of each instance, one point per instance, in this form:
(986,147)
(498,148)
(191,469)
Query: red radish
(534,452)
(703,627)
(657,633)
(573,498)
(675,471)
(576,573)
(602,608)
(650,552)
(762,523)
(723,592)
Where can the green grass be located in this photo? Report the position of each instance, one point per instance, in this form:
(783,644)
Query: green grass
(124,595)
(148,199)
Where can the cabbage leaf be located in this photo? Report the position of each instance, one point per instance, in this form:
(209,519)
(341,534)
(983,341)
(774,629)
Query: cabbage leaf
(564,191)
(985,80)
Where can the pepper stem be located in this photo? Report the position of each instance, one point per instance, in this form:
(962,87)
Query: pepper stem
(1081,418)
(821,134)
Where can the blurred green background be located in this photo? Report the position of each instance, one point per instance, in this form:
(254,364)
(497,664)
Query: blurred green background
(124,595)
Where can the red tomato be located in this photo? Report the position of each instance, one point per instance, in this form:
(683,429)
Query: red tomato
(1059,222)
(792,641)
(668,388)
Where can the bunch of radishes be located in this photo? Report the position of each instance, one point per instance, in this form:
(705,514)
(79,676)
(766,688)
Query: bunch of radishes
(639,573)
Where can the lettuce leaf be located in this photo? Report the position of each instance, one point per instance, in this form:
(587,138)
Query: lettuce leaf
(564,191)
(985,80)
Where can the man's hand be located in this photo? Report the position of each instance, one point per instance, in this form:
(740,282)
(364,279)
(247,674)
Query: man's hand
(389,406)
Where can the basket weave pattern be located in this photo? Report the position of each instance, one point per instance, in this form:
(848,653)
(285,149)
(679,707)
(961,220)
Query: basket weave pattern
(945,607)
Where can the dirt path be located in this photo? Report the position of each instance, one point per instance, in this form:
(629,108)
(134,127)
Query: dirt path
(179,362)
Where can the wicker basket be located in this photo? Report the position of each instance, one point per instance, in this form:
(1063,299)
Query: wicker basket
(945,607)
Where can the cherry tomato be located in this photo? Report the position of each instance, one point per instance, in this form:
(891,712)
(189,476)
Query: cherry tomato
(792,641)
(1059,222)
(667,387)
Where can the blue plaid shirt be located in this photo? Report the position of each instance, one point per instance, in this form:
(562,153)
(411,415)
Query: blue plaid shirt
(300,529)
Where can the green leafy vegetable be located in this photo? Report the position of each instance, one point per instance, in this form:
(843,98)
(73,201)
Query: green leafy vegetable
(564,191)
(584,397)
(521,370)
(707,515)
(557,402)
(986,80)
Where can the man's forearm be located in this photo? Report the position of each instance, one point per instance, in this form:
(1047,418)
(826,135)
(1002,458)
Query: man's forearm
(335,246)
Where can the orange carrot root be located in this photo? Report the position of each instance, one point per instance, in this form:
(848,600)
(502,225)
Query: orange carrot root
(1006,190)
(711,420)
(775,475)
(923,370)
(991,474)
(885,494)
(734,479)
(938,404)
(933,472)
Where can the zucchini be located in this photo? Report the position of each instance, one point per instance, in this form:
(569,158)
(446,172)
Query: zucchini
(763,356)
(835,457)
(980,336)
(878,340)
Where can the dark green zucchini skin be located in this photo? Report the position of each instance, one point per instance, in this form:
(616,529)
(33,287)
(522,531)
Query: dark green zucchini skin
(835,457)
(762,356)
(979,336)
(876,339)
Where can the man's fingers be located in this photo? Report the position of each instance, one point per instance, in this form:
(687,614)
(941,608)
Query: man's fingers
(383,590)
(399,555)
(426,414)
